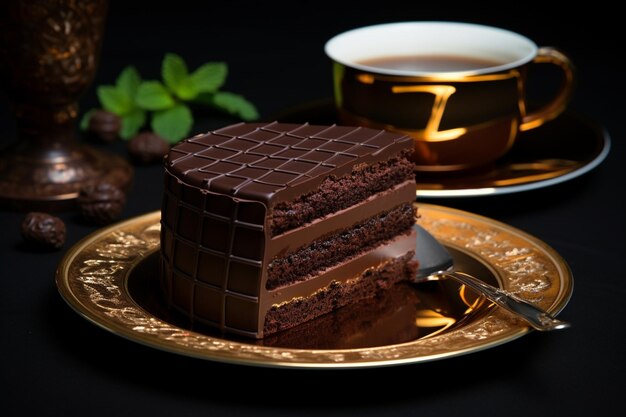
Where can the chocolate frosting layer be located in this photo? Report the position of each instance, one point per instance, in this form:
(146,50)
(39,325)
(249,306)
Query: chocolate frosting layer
(272,162)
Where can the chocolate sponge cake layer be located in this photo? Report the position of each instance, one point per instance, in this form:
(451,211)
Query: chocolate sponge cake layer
(238,198)
(339,294)
(322,253)
(384,319)
(335,194)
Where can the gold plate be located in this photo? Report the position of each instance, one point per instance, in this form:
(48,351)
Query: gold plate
(559,151)
(111,279)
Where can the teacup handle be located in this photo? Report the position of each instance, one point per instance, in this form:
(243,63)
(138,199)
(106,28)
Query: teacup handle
(548,55)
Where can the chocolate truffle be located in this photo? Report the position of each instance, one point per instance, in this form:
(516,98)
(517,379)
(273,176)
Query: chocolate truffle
(101,203)
(43,230)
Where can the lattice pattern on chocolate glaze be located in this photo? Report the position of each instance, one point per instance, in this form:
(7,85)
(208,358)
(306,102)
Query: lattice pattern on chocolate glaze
(256,161)
(213,253)
(215,204)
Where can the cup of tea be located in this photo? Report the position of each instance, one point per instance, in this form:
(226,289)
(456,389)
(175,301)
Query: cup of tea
(458,89)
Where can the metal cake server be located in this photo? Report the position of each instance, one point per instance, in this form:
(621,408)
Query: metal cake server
(436,263)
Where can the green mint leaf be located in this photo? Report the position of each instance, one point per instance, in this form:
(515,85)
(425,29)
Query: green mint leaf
(235,104)
(174,71)
(128,81)
(152,95)
(114,100)
(131,123)
(173,124)
(84,122)
(187,90)
(209,77)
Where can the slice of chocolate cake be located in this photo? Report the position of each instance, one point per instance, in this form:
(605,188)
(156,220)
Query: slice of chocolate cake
(266,226)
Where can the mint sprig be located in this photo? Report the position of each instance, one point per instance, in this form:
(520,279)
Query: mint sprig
(175,122)
(168,101)
(153,96)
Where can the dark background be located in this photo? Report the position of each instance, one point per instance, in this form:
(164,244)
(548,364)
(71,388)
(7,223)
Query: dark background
(53,362)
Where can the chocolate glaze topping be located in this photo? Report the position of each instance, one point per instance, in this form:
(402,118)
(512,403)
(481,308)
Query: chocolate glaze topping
(276,161)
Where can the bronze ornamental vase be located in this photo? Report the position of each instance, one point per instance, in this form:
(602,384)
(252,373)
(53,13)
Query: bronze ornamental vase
(49,53)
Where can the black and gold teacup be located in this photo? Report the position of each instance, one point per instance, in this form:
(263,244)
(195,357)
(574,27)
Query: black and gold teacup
(458,89)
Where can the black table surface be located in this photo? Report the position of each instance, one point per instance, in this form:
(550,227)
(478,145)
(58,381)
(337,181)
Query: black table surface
(53,362)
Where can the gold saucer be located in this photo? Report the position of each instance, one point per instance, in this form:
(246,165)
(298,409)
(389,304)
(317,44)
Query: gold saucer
(559,151)
(111,279)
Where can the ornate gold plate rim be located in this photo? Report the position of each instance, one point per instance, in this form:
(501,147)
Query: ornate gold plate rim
(93,275)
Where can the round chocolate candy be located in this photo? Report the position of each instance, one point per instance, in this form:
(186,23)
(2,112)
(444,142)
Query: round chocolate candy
(148,147)
(43,230)
(105,125)
(101,203)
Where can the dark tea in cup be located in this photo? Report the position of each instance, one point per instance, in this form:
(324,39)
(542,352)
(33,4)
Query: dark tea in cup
(430,63)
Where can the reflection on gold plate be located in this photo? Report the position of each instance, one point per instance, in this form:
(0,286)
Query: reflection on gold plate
(111,279)
(559,151)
